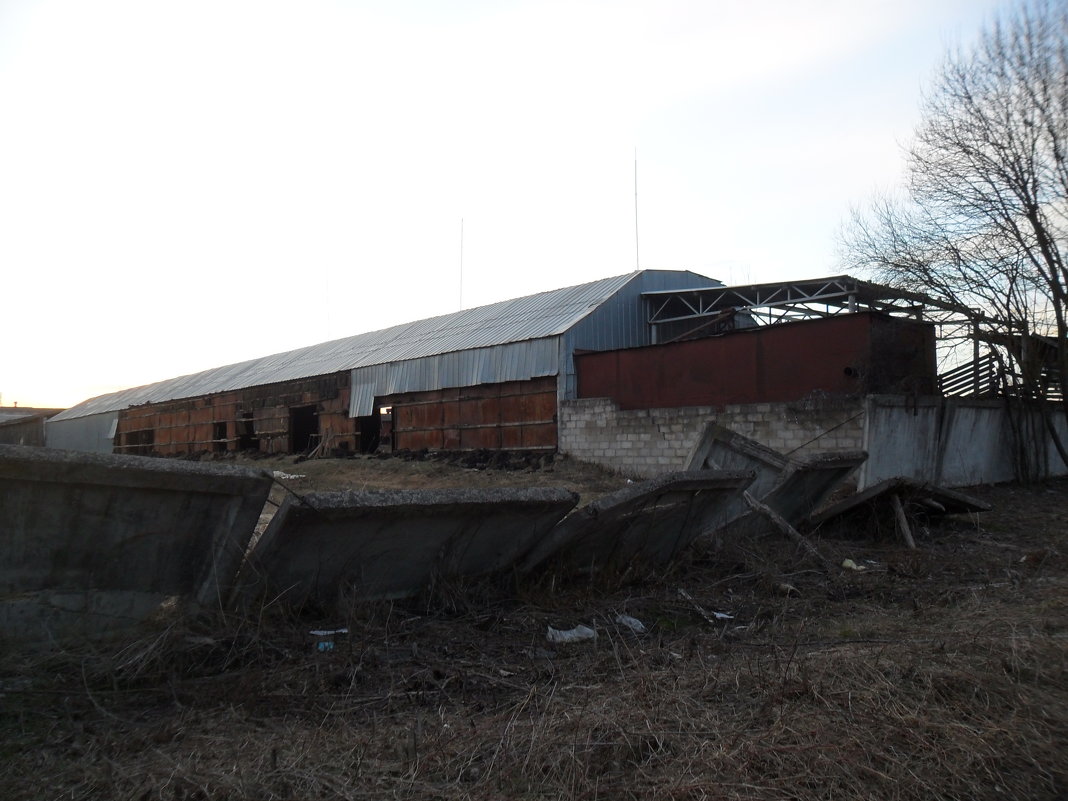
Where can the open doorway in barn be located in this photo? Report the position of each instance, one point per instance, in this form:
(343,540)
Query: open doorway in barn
(218,436)
(303,428)
(370,432)
(247,439)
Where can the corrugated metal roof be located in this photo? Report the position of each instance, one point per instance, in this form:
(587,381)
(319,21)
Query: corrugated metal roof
(546,314)
(7,415)
(512,361)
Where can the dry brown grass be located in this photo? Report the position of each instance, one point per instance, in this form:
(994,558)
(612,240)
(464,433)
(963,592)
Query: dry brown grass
(936,674)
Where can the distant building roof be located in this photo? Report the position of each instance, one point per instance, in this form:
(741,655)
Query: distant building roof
(11,413)
(546,314)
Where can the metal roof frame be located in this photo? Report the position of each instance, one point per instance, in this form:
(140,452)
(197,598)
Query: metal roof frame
(789,301)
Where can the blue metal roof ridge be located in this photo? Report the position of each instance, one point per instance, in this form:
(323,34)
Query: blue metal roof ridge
(538,316)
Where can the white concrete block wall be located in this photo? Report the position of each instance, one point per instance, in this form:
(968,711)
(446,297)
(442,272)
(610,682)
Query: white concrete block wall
(645,442)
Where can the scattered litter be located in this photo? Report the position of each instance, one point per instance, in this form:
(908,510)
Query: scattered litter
(323,638)
(631,623)
(849,564)
(288,476)
(709,617)
(578,634)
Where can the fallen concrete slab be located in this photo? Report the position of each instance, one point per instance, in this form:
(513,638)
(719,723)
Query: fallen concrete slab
(651,521)
(97,535)
(333,548)
(918,499)
(791,487)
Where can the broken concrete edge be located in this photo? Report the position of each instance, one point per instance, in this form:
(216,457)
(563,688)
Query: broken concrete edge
(961,502)
(829,460)
(120,470)
(685,480)
(344,502)
(624,500)
(714,432)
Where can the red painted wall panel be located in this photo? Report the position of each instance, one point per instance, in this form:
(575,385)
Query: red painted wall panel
(776,363)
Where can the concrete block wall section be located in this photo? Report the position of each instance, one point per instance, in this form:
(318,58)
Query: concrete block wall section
(647,442)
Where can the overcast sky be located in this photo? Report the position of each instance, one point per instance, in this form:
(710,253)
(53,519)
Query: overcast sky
(189,184)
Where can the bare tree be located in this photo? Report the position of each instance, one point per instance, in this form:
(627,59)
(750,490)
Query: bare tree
(982,223)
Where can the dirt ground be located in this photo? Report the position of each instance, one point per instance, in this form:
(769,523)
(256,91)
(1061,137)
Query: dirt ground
(939,673)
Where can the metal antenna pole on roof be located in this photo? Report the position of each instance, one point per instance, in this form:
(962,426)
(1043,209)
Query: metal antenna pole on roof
(637,261)
(461,262)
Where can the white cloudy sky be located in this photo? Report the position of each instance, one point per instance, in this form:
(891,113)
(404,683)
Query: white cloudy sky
(189,184)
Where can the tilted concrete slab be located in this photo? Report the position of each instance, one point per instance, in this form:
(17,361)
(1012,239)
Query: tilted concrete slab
(794,488)
(651,521)
(719,448)
(81,532)
(332,547)
(918,497)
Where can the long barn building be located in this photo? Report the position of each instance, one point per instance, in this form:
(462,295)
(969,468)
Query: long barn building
(517,374)
(487,377)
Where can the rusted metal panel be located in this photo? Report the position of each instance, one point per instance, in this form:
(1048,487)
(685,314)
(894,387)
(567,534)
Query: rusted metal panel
(219,422)
(511,437)
(778,363)
(543,435)
(515,414)
(480,438)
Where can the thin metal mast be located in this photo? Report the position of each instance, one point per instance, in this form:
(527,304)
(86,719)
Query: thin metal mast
(637,261)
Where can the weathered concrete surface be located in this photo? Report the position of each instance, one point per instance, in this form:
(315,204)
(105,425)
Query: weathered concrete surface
(79,526)
(719,448)
(333,548)
(794,488)
(650,521)
(919,499)
(953,442)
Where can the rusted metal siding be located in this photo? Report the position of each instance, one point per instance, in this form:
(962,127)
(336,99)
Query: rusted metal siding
(228,420)
(777,363)
(509,415)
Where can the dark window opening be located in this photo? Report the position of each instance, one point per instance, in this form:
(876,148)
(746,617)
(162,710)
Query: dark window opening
(218,437)
(303,429)
(246,438)
(140,442)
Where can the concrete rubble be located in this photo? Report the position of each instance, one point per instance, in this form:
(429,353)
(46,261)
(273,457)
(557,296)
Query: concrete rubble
(333,548)
(650,521)
(96,541)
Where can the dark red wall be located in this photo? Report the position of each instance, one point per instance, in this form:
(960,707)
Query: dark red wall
(511,415)
(837,355)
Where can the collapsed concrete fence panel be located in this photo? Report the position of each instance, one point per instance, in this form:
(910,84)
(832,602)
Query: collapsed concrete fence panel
(793,488)
(329,548)
(91,541)
(650,521)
